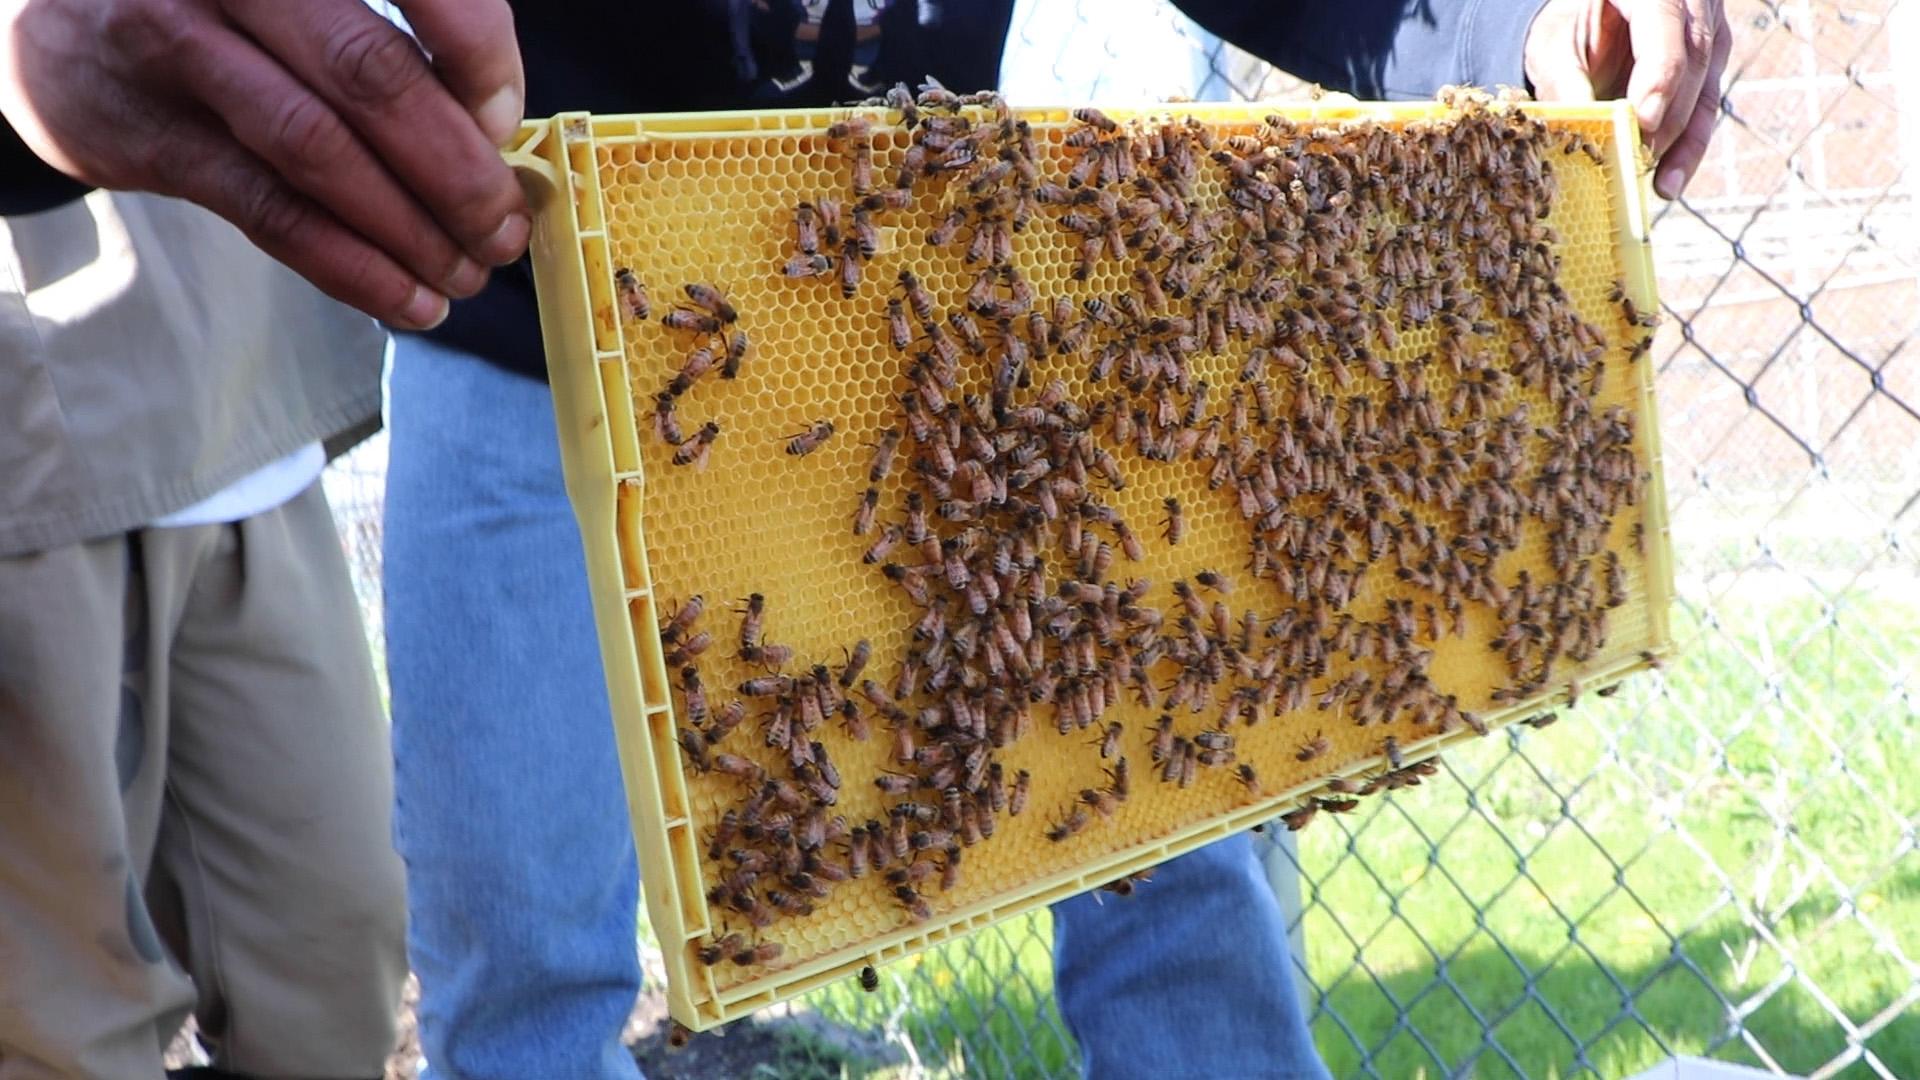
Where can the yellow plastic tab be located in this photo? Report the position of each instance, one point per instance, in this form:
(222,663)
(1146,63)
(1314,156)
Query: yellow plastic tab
(709,198)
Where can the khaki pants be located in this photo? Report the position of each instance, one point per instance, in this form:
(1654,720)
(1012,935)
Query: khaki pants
(195,806)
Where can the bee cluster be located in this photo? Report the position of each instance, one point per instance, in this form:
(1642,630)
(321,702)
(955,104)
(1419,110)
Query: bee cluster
(1377,509)
(707,318)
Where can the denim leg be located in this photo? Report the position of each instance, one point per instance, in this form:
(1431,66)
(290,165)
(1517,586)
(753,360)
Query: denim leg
(1188,977)
(510,814)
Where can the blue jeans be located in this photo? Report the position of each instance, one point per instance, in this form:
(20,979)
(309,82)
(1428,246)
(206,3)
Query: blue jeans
(512,820)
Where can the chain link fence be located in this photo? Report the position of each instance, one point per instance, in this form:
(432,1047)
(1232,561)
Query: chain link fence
(1721,859)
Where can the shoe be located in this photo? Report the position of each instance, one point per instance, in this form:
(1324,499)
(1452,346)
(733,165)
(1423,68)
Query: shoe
(801,77)
(855,80)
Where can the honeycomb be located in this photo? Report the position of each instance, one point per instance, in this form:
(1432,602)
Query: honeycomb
(711,199)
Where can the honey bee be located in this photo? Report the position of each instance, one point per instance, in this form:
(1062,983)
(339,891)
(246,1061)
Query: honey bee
(768,686)
(723,834)
(853,127)
(866,238)
(899,333)
(698,363)
(764,953)
(1175,524)
(697,448)
(682,620)
(695,746)
(1017,798)
(1100,801)
(869,979)
(1299,819)
(942,234)
(665,423)
(1250,780)
(1391,747)
(806,228)
(888,540)
(808,264)
(726,720)
(883,453)
(788,904)
(863,513)
(736,352)
(714,951)
(1095,118)
(917,909)
(633,295)
(1161,749)
(695,694)
(699,322)
(829,212)
(689,649)
(856,663)
(713,300)
(900,99)
(1075,820)
(1217,582)
(1313,748)
(810,440)
(737,766)
(917,296)
(850,271)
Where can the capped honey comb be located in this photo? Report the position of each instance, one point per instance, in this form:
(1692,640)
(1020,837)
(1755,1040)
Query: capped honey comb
(643,206)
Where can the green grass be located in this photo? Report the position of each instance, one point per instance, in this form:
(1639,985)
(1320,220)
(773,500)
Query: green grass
(982,1006)
(1757,798)
(1766,776)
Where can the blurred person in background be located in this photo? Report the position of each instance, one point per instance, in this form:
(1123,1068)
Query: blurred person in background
(195,786)
(346,151)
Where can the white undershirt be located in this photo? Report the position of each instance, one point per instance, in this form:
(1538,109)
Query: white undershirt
(261,490)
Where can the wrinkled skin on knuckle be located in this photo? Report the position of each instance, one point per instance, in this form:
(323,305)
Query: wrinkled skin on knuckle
(144,38)
(371,63)
(304,136)
(264,211)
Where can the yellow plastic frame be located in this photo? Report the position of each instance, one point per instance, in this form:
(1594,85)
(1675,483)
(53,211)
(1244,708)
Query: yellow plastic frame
(588,365)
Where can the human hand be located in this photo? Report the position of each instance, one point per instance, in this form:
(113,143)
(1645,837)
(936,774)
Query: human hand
(1665,56)
(319,129)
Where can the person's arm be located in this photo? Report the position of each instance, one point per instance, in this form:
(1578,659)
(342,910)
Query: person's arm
(1665,56)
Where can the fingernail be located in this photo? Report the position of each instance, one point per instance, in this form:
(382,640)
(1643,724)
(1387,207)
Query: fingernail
(1649,111)
(507,241)
(1669,183)
(466,279)
(425,309)
(499,115)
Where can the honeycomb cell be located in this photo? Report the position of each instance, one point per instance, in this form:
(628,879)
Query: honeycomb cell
(686,205)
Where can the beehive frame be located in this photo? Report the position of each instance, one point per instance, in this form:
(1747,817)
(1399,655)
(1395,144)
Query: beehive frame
(567,165)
